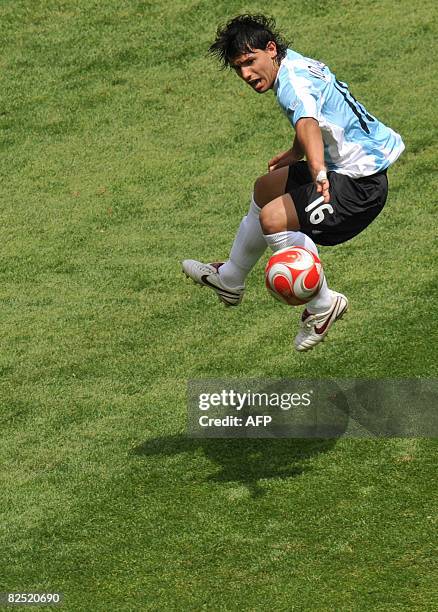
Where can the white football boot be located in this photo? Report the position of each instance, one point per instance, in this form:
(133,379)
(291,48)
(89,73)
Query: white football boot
(315,327)
(207,275)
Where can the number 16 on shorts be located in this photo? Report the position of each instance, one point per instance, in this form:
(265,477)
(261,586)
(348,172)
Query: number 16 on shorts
(317,209)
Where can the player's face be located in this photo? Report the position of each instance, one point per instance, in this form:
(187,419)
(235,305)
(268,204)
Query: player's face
(258,68)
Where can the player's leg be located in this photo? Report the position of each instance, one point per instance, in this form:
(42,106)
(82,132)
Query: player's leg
(281,225)
(249,243)
(354,204)
(228,278)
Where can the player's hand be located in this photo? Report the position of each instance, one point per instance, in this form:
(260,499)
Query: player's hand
(323,186)
(287,158)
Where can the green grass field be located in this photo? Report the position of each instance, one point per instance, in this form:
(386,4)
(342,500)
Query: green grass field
(123,151)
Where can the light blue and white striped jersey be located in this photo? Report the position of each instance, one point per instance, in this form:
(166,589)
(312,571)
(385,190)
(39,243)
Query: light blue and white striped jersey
(355,143)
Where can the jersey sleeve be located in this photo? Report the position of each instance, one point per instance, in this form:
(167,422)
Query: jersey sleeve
(302,100)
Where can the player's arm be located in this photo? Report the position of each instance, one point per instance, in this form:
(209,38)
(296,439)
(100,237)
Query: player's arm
(287,158)
(310,138)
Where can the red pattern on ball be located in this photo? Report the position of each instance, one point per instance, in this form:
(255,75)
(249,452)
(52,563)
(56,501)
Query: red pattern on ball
(294,275)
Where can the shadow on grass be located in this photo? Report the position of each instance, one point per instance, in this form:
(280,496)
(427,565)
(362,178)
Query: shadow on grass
(242,460)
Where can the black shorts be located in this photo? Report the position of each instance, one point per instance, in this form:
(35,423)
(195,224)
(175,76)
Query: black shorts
(354,203)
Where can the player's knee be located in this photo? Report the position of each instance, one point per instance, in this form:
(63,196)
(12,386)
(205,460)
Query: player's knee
(272,219)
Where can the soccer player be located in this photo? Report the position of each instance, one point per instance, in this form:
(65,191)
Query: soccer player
(328,198)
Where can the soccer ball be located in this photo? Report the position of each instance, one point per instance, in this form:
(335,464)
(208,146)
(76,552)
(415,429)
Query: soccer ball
(294,275)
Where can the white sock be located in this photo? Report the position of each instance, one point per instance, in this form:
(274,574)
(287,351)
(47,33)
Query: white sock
(248,246)
(323,299)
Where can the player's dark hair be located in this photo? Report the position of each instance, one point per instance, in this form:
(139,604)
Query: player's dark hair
(243,34)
